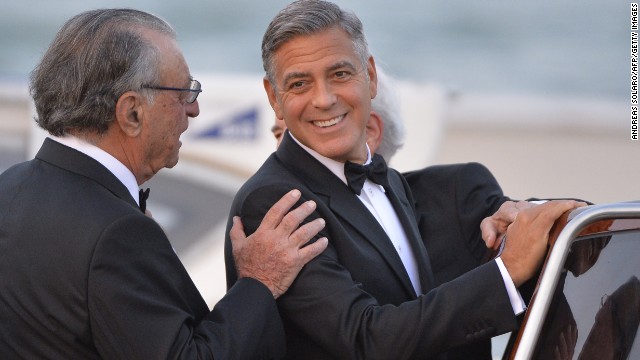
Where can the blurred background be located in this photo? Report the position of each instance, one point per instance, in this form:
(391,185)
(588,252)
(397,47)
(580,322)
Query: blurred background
(536,91)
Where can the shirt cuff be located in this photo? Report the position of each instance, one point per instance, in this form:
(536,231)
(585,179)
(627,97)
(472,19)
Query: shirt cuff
(517,303)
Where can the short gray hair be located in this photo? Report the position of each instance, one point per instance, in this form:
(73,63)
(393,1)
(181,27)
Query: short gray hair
(96,57)
(306,17)
(386,105)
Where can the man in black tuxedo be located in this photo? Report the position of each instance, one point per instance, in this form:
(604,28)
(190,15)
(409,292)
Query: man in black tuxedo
(371,294)
(451,201)
(85,274)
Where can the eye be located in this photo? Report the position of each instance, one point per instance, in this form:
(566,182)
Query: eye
(342,75)
(296,85)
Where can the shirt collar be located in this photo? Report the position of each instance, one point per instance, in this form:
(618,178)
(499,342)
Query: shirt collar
(336,167)
(107,160)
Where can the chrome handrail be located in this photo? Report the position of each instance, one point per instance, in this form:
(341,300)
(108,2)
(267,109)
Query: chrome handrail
(551,272)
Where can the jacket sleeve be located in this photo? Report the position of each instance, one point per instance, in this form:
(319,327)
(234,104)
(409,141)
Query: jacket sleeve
(479,195)
(143,305)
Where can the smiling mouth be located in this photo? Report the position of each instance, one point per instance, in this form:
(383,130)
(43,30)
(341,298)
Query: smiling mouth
(327,123)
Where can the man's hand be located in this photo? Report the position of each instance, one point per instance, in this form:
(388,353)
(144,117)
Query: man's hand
(527,238)
(495,226)
(274,254)
(566,343)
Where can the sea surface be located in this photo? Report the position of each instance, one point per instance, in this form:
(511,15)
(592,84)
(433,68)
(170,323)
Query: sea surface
(546,47)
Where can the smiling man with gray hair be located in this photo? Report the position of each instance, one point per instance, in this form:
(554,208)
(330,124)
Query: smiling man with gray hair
(371,294)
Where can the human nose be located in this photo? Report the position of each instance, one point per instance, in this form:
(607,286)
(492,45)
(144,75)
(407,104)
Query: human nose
(323,96)
(193,109)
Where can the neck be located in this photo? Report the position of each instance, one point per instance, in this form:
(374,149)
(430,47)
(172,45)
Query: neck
(367,155)
(118,146)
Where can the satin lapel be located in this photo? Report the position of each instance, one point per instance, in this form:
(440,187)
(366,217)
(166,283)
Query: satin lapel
(342,202)
(351,210)
(81,164)
(407,217)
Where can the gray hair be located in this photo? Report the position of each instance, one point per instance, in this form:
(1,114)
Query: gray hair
(306,17)
(386,105)
(96,57)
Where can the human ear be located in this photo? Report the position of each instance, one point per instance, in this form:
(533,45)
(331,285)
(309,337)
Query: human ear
(375,131)
(373,77)
(271,94)
(129,112)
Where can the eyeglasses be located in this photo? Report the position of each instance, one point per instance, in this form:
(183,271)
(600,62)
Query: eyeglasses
(194,90)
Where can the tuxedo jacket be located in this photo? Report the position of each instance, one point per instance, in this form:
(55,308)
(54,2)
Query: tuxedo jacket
(84,274)
(450,202)
(355,300)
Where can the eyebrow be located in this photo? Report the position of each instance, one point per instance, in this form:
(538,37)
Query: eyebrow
(186,84)
(293,75)
(343,64)
(338,65)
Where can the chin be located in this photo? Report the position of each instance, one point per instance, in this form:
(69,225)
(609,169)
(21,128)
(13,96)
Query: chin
(337,152)
(172,163)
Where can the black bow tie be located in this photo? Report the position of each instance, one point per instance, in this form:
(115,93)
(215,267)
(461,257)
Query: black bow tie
(143,196)
(356,174)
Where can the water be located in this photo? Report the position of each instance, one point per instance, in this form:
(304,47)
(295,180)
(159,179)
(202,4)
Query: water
(544,47)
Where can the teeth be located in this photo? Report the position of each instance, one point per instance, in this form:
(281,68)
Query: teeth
(327,123)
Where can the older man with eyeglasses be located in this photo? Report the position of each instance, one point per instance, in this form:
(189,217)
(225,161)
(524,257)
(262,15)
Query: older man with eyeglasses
(84,274)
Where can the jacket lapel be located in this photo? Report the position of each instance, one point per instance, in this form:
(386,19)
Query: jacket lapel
(406,213)
(72,160)
(344,204)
